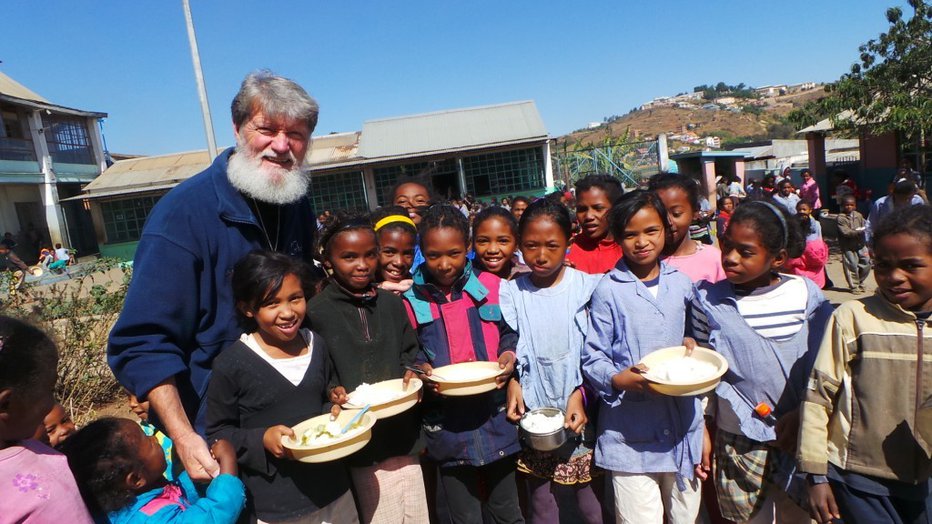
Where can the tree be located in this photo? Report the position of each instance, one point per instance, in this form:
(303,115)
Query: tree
(891,88)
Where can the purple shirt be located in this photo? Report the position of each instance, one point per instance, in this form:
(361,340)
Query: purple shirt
(37,486)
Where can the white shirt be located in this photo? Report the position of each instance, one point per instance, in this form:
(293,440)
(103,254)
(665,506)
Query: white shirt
(293,368)
(62,254)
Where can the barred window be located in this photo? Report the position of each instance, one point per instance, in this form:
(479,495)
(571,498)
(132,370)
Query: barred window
(123,219)
(15,140)
(504,172)
(429,173)
(68,139)
(338,191)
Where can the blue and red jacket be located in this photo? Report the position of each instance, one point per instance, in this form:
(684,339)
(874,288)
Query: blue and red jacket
(466,327)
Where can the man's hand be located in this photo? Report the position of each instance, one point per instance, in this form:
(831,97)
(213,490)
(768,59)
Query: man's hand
(822,506)
(515,404)
(223,452)
(575,419)
(632,379)
(195,456)
(705,466)
(507,364)
(787,430)
(191,448)
(338,396)
(272,440)
(407,379)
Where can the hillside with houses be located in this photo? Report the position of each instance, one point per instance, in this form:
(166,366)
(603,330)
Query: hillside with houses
(708,117)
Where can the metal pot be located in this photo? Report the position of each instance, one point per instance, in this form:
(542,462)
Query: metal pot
(543,441)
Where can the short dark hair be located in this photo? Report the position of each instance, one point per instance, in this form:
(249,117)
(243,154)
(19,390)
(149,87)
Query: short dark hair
(28,357)
(496,212)
(259,276)
(342,222)
(684,183)
(520,198)
(775,226)
(554,211)
(417,179)
(441,216)
(100,457)
(607,183)
(915,221)
(849,198)
(904,188)
(629,205)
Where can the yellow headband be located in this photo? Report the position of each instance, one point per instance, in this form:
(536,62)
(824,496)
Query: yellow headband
(393,218)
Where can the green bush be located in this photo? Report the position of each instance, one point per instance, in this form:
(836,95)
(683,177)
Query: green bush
(78,313)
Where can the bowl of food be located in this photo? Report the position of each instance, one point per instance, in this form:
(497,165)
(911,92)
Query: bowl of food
(386,398)
(318,439)
(542,429)
(671,372)
(466,378)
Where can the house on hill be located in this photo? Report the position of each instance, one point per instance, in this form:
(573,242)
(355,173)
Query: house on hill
(47,152)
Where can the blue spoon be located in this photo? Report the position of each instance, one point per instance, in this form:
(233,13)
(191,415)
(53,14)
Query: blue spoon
(355,419)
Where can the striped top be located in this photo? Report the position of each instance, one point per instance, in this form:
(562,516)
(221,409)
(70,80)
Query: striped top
(776,312)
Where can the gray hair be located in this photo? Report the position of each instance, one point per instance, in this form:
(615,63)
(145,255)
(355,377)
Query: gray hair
(275,96)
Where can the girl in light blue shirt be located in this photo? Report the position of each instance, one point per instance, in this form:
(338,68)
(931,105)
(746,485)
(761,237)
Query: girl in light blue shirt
(547,308)
(655,446)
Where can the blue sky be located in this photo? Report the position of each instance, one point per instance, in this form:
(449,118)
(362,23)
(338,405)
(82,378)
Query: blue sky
(580,61)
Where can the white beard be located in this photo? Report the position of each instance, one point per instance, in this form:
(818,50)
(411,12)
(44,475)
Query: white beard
(273,185)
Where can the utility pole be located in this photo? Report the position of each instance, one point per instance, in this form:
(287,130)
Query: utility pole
(199,76)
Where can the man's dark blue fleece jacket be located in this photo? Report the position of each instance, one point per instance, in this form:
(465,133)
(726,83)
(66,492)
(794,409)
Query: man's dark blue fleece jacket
(179,311)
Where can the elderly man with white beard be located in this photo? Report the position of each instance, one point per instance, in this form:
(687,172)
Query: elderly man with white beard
(179,311)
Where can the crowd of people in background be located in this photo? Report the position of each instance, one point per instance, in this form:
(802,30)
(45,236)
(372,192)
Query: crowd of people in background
(238,325)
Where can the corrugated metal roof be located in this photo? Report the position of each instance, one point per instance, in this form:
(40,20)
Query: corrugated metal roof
(15,93)
(150,172)
(11,87)
(455,129)
(333,149)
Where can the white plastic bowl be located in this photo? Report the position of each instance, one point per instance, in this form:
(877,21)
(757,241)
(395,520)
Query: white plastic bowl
(396,406)
(466,378)
(351,442)
(684,389)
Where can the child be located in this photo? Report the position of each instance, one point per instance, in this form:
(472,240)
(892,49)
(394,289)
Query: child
(680,197)
(414,196)
(56,427)
(809,191)
(726,208)
(518,205)
(811,227)
(548,309)
(811,263)
(855,257)
(865,427)
(785,196)
(767,325)
(36,483)
(119,470)
(456,312)
(141,410)
(593,250)
(371,340)
(275,376)
(495,240)
(699,228)
(397,243)
(652,444)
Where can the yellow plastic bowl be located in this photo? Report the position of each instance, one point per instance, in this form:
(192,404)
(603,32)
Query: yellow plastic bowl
(684,389)
(392,407)
(466,378)
(351,442)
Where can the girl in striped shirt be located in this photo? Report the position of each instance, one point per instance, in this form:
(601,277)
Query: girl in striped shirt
(768,326)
